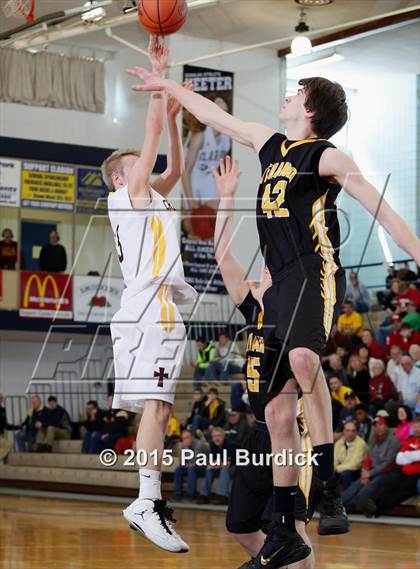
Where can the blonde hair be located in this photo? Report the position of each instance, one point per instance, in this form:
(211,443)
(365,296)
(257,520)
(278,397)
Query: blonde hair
(113,163)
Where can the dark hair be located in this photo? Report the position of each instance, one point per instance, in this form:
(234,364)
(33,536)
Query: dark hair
(213,390)
(201,339)
(52,398)
(92,402)
(348,302)
(361,407)
(408,412)
(199,389)
(327,100)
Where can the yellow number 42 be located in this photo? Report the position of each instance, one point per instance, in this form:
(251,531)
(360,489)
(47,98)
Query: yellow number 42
(271,208)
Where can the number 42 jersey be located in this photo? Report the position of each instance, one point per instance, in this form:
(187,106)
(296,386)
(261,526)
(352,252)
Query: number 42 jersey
(296,208)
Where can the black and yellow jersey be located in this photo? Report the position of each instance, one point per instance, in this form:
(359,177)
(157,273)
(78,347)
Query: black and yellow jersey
(296,208)
(266,369)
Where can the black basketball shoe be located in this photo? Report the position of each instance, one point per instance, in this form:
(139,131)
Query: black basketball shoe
(283,546)
(333,517)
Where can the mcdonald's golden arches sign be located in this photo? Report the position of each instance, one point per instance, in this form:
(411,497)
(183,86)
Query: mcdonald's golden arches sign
(45,295)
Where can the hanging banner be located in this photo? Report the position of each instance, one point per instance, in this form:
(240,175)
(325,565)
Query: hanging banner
(10,182)
(203,148)
(49,186)
(96,299)
(92,192)
(45,295)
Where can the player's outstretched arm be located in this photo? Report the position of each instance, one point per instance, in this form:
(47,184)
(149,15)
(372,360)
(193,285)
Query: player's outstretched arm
(139,176)
(176,164)
(337,165)
(233,273)
(253,135)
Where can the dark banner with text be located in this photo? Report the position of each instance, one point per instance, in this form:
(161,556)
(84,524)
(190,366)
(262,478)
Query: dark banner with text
(203,148)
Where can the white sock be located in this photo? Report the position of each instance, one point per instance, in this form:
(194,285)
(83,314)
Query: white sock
(149,484)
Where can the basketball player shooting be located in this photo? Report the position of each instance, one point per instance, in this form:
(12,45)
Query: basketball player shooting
(251,497)
(148,333)
(302,175)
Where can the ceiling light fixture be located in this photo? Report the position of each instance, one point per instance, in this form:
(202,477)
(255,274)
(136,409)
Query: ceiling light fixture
(96,14)
(314,2)
(129,6)
(301,44)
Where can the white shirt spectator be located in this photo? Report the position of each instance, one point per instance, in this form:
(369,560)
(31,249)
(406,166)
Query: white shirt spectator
(408,384)
(392,370)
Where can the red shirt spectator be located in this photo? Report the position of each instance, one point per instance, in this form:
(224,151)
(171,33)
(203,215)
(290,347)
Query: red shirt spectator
(403,338)
(375,350)
(381,387)
(8,250)
(411,445)
(407,294)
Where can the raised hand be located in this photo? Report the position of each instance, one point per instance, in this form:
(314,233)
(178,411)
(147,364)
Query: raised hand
(173,106)
(152,81)
(158,53)
(228,179)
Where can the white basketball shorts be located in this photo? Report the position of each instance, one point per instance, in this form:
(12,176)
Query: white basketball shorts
(149,341)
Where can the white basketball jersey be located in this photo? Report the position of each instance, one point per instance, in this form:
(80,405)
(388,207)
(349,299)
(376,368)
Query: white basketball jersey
(147,246)
(213,150)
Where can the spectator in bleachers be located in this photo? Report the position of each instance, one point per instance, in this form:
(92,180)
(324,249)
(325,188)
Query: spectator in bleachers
(93,426)
(407,384)
(358,376)
(205,352)
(26,437)
(406,275)
(338,390)
(377,466)
(364,422)
(239,394)
(8,250)
(364,355)
(388,329)
(225,360)
(406,294)
(375,350)
(390,300)
(199,403)
(414,353)
(335,369)
(350,452)
(405,422)
(115,426)
(189,469)
(404,338)
(412,318)
(344,353)
(53,257)
(382,295)
(347,413)
(173,431)
(393,366)
(213,413)
(55,426)
(236,428)
(5,444)
(336,338)
(223,472)
(350,323)
(400,484)
(358,293)
(381,388)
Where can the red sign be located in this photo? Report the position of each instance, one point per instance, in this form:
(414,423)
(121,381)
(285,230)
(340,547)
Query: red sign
(45,295)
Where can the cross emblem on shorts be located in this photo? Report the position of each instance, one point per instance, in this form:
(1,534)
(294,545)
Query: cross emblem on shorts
(161,375)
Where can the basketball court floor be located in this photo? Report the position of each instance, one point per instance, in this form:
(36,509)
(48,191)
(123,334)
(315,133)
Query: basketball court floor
(44,533)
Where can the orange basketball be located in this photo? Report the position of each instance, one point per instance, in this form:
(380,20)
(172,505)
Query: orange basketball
(162,17)
(203,221)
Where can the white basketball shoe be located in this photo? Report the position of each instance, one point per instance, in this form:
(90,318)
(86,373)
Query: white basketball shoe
(153,519)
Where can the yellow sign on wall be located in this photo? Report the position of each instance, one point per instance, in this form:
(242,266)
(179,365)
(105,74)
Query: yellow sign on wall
(49,186)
